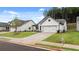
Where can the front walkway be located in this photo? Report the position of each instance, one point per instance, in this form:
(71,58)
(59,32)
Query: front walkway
(59,44)
(31,39)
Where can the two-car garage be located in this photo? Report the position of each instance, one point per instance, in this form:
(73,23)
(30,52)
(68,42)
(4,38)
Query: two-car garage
(49,24)
(49,28)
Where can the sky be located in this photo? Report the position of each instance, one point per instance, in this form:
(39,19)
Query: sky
(24,13)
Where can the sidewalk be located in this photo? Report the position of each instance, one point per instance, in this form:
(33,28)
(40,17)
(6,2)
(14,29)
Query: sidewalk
(60,45)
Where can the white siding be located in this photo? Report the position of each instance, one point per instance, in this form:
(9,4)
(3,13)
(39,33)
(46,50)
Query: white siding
(2,28)
(52,26)
(51,22)
(63,27)
(12,29)
(49,26)
(26,26)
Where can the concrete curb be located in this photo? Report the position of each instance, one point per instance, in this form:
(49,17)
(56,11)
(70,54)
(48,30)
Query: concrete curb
(59,44)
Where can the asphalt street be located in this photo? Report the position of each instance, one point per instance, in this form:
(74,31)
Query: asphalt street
(5,46)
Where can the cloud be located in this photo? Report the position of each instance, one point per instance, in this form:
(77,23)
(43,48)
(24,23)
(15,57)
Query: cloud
(10,12)
(8,16)
(41,9)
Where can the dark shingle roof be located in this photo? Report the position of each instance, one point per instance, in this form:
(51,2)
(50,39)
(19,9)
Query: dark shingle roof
(3,24)
(62,21)
(22,21)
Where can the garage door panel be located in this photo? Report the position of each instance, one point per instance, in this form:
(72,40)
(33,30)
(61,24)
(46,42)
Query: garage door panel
(49,29)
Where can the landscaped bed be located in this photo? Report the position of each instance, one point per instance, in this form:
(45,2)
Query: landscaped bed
(69,38)
(18,35)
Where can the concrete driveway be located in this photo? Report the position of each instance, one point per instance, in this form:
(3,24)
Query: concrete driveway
(32,39)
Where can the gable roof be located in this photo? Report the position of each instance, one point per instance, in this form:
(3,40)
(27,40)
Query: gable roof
(2,24)
(44,19)
(24,21)
(57,20)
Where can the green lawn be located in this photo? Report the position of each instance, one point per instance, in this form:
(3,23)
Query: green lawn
(69,38)
(18,35)
(57,48)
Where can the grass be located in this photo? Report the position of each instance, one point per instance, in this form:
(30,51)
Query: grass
(71,26)
(57,48)
(4,39)
(69,38)
(18,35)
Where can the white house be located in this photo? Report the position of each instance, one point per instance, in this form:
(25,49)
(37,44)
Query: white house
(49,24)
(26,26)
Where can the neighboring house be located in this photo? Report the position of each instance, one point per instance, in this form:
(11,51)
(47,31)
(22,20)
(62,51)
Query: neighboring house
(49,24)
(26,26)
(4,26)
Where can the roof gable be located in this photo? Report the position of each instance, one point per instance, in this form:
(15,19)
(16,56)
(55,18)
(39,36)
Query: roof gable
(61,21)
(22,21)
(44,19)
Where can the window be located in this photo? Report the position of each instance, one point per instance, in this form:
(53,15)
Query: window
(49,20)
(61,23)
(29,28)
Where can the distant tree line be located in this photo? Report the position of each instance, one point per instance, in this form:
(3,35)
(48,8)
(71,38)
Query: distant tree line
(68,13)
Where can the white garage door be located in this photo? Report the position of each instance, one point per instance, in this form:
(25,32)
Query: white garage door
(49,29)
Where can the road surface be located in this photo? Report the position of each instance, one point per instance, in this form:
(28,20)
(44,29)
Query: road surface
(5,46)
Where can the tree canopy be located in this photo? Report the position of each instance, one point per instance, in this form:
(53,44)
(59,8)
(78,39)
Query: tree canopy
(68,13)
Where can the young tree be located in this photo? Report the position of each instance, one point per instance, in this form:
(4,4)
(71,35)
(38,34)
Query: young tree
(15,23)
